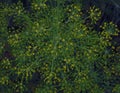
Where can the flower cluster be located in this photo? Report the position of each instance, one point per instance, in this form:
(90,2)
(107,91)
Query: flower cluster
(74,12)
(95,14)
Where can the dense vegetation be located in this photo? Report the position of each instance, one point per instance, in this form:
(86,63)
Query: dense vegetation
(58,47)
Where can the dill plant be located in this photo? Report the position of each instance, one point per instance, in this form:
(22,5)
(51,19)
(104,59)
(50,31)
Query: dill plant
(57,47)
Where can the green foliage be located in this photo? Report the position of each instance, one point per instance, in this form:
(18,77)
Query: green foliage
(116,89)
(57,45)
